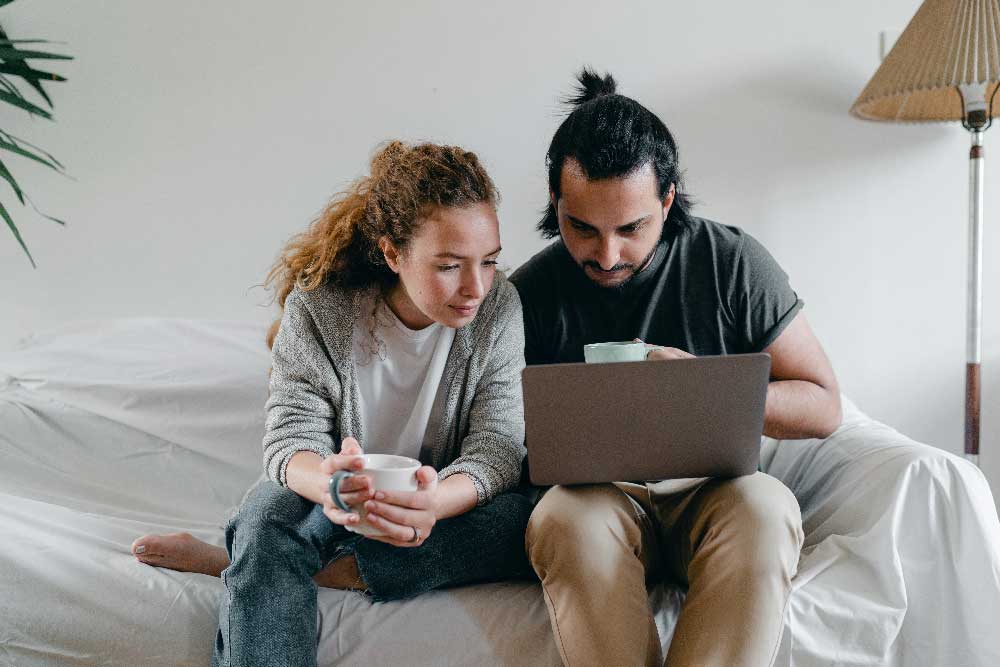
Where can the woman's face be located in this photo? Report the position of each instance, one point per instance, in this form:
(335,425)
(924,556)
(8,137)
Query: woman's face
(448,267)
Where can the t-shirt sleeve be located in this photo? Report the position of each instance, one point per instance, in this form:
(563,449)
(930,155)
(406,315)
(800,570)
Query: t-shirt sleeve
(761,300)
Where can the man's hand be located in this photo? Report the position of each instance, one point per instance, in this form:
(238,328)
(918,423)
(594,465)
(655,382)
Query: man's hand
(404,515)
(353,490)
(659,353)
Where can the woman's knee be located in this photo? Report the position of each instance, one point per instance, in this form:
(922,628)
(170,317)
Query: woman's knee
(267,508)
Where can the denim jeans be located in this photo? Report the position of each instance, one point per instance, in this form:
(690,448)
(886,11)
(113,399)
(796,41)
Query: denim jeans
(278,540)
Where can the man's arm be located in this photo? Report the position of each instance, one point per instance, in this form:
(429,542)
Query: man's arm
(803,397)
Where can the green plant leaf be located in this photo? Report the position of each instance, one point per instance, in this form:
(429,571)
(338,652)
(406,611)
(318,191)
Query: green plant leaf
(24,104)
(13,53)
(9,42)
(9,86)
(5,2)
(9,177)
(14,148)
(17,234)
(19,68)
(19,141)
(32,77)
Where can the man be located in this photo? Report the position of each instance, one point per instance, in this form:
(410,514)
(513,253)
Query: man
(631,262)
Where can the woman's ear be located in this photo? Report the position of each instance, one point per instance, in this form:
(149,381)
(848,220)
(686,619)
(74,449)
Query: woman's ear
(390,253)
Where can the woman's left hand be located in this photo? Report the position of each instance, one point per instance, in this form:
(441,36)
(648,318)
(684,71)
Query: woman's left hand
(406,518)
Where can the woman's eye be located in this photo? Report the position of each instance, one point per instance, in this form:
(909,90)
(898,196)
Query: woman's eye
(448,267)
(490,262)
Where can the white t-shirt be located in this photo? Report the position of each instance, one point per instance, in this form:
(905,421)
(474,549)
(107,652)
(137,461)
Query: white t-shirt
(398,376)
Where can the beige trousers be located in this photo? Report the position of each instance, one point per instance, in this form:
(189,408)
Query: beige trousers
(733,543)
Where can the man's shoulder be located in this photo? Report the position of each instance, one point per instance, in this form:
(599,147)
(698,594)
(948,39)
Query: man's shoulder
(540,267)
(711,236)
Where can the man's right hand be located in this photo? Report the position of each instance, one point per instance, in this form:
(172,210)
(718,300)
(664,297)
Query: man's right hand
(660,353)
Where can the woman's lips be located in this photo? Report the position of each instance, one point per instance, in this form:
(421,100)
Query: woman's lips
(466,310)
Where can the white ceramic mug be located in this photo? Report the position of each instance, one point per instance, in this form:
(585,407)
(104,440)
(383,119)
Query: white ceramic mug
(602,353)
(388,472)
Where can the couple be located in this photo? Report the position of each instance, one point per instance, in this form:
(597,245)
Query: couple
(398,334)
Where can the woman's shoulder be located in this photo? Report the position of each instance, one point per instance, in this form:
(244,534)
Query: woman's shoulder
(327,312)
(500,306)
(503,298)
(325,299)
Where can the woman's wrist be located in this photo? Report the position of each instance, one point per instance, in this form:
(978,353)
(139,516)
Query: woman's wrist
(455,495)
(304,477)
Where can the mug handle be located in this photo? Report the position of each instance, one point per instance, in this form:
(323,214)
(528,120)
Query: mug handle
(335,482)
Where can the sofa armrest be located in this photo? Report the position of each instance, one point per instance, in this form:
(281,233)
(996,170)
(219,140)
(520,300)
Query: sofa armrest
(865,473)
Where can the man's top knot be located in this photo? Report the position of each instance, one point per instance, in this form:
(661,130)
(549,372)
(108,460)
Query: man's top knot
(591,86)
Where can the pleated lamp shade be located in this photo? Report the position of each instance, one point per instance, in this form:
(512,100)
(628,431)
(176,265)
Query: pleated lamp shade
(948,44)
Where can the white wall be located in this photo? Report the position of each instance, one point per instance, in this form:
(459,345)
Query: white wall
(201,135)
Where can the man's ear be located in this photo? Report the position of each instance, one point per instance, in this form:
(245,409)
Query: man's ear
(668,200)
(553,201)
(390,253)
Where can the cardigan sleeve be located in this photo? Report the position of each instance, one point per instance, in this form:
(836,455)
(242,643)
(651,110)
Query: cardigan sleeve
(300,410)
(493,450)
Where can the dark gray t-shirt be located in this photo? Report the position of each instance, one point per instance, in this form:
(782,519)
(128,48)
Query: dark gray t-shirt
(710,289)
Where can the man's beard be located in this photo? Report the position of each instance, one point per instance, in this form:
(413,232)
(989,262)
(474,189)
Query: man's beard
(618,267)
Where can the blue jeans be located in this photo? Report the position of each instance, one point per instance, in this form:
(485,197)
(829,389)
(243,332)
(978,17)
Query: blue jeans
(278,540)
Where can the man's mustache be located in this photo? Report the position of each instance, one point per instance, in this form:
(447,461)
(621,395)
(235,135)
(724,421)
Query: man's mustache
(597,267)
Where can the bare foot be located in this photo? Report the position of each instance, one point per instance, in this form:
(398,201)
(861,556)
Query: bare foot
(186,553)
(182,552)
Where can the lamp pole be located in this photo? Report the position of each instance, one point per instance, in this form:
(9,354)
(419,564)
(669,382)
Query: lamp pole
(974,308)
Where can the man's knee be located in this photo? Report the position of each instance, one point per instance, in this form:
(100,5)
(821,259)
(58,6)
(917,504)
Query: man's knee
(576,522)
(764,518)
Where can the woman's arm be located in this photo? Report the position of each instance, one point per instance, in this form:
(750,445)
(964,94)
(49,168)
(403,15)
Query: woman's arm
(493,450)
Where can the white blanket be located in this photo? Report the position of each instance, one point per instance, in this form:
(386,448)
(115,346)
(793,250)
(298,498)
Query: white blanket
(111,430)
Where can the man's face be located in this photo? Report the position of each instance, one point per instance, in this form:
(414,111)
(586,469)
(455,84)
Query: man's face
(611,227)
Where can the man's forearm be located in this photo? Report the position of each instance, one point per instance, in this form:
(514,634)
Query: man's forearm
(798,409)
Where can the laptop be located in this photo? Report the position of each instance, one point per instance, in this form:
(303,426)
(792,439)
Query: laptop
(645,420)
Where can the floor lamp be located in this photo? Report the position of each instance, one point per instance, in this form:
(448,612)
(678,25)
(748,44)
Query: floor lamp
(945,67)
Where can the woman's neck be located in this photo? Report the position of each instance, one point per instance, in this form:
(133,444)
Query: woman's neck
(402,307)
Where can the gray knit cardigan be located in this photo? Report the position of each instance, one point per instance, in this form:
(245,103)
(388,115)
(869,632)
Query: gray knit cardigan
(476,425)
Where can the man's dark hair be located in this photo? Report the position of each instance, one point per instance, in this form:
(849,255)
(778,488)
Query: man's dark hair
(612,136)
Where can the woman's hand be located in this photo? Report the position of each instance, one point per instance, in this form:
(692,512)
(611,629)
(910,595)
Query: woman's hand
(353,491)
(406,518)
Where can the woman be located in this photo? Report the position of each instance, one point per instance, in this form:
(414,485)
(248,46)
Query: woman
(399,335)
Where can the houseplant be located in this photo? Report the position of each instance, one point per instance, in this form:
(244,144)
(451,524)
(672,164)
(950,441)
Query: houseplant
(14,57)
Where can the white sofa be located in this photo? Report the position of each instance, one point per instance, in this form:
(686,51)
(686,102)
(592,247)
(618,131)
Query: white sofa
(110,430)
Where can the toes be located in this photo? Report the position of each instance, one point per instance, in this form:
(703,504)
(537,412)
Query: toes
(149,559)
(141,544)
(148,545)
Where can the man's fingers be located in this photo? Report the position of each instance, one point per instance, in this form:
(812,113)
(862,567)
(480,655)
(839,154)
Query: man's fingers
(666,353)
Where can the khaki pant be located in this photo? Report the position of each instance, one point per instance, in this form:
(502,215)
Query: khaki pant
(733,543)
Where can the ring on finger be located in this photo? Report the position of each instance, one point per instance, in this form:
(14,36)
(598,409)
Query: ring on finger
(416,534)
